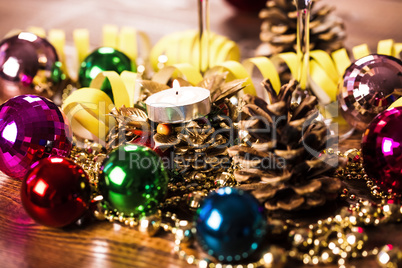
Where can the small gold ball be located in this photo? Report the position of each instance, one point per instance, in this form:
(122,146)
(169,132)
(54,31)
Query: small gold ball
(150,224)
(164,129)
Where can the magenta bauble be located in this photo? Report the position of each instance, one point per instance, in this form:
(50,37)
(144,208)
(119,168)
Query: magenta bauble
(31,128)
(382,150)
(55,192)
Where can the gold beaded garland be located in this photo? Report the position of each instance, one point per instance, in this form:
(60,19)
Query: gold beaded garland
(333,240)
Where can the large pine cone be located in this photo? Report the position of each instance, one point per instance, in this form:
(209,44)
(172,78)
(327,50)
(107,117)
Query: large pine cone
(278,30)
(200,146)
(281,163)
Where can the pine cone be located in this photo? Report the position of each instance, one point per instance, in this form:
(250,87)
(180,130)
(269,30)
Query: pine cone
(200,149)
(132,123)
(281,163)
(278,30)
(200,146)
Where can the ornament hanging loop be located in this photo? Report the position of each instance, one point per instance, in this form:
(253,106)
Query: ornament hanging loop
(303,40)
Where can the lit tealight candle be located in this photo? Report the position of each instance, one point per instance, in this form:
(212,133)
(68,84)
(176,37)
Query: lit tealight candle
(178,104)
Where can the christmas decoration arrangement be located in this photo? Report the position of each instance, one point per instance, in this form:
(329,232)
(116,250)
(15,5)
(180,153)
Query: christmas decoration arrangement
(150,138)
(279,28)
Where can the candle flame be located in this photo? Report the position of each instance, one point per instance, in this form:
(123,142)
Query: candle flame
(176,84)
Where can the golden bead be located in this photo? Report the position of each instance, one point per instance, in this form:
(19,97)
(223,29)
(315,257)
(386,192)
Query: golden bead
(195,198)
(164,129)
(330,151)
(184,235)
(150,224)
(389,256)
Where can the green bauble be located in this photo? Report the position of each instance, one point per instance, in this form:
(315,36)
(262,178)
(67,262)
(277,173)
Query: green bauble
(133,180)
(104,59)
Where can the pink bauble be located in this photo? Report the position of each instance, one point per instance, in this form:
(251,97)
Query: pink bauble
(382,150)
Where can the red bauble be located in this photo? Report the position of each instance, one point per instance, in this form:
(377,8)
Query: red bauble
(247,5)
(148,142)
(382,152)
(166,155)
(55,192)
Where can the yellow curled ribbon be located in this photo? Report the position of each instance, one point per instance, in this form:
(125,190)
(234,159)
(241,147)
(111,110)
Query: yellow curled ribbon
(88,109)
(183,47)
(326,70)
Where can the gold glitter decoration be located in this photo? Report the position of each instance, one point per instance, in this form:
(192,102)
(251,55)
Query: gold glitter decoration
(335,240)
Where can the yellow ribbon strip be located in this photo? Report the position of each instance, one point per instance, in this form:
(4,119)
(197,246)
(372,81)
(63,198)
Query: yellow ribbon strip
(58,39)
(236,71)
(386,47)
(88,108)
(120,93)
(396,103)
(266,68)
(127,42)
(341,59)
(81,41)
(325,70)
(186,70)
(397,50)
(183,47)
(110,36)
(360,51)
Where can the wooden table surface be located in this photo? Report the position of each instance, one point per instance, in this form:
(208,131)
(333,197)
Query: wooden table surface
(26,244)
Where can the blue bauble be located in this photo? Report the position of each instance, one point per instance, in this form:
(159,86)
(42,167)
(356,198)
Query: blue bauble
(230,224)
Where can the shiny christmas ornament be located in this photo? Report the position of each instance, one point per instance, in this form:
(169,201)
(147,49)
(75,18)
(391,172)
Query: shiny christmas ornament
(133,180)
(29,65)
(369,86)
(104,59)
(150,143)
(230,224)
(381,149)
(55,192)
(31,128)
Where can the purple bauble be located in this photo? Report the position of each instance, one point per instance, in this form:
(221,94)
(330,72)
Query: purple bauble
(382,150)
(28,65)
(368,88)
(31,128)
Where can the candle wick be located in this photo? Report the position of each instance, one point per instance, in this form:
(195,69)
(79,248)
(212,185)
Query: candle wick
(177,92)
